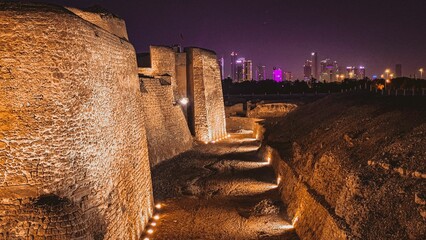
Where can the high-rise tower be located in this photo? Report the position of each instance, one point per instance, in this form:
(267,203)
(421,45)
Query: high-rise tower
(248,70)
(261,73)
(314,59)
(307,70)
(398,70)
(233,74)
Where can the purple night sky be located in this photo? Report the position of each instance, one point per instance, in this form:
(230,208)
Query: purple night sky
(374,33)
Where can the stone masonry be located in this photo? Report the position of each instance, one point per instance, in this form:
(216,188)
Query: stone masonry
(194,74)
(73,151)
(167,131)
(205,94)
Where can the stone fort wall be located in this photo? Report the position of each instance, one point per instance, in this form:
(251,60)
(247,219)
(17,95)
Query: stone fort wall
(205,93)
(104,20)
(73,151)
(195,74)
(167,131)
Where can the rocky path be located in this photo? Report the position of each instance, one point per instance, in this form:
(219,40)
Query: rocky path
(219,191)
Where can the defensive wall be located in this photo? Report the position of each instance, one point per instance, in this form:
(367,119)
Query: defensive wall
(80,125)
(167,131)
(193,74)
(73,150)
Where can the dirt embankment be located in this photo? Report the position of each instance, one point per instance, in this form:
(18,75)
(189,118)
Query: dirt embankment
(357,162)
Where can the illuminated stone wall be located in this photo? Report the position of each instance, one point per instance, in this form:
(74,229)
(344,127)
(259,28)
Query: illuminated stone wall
(73,152)
(195,74)
(271,110)
(104,20)
(207,111)
(167,131)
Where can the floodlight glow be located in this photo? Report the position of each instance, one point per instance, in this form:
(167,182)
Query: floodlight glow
(158,206)
(184,101)
(156,217)
(150,231)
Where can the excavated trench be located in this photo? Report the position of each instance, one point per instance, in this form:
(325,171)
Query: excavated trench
(219,191)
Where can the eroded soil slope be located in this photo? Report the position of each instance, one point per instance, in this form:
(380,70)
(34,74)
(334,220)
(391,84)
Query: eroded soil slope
(365,156)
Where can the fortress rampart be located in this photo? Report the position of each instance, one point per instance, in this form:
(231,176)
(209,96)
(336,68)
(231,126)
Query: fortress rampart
(73,150)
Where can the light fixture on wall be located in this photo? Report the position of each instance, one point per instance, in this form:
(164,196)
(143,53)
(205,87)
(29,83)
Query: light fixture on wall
(183,101)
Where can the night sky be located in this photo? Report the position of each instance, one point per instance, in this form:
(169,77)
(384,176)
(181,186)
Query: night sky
(377,34)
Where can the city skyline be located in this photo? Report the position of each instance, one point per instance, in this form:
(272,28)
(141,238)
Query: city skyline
(374,34)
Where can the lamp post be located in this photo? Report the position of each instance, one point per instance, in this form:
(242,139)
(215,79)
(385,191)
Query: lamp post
(421,73)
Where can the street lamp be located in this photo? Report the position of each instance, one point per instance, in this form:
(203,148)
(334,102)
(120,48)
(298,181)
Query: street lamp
(421,73)
(391,75)
(387,71)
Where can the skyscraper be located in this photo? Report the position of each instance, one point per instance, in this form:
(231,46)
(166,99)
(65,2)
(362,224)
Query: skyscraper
(355,72)
(307,70)
(261,73)
(240,69)
(247,70)
(328,70)
(287,76)
(398,70)
(361,72)
(233,74)
(277,74)
(314,59)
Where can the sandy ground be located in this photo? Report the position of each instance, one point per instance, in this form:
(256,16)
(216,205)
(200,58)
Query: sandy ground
(219,191)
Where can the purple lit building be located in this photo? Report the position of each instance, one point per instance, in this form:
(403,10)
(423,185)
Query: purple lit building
(277,74)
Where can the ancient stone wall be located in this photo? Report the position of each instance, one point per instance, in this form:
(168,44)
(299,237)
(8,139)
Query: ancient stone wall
(270,110)
(181,76)
(73,152)
(104,20)
(167,130)
(206,112)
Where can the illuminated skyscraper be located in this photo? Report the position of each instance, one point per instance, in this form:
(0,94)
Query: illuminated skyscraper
(398,70)
(277,74)
(328,70)
(233,74)
(355,72)
(240,69)
(260,73)
(287,76)
(307,70)
(314,59)
(361,72)
(247,70)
